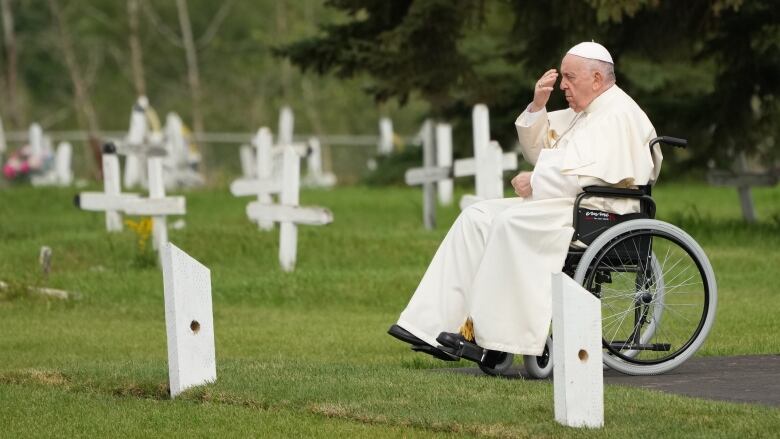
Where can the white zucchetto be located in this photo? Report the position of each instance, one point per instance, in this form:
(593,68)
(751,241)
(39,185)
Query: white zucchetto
(591,51)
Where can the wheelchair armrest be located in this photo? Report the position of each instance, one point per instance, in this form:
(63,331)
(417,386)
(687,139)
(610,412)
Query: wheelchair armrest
(669,140)
(614,192)
(647,205)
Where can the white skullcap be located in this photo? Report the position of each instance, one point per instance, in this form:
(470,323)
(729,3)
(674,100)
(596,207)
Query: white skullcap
(591,51)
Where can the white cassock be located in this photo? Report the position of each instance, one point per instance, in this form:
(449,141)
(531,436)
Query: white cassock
(494,264)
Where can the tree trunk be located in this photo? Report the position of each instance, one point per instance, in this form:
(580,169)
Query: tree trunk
(136,55)
(310,105)
(9,36)
(281,31)
(192,66)
(310,102)
(84,109)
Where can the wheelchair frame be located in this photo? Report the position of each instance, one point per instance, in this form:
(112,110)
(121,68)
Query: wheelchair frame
(603,258)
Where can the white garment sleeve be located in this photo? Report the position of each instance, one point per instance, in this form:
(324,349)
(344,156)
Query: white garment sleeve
(547,181)
(528,118)
(532,133)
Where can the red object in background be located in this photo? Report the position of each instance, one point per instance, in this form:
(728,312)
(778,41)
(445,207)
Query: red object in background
(19,164)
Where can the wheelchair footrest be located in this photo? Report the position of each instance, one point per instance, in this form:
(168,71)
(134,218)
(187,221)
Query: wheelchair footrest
(441,354)
(462,347)
(628,346)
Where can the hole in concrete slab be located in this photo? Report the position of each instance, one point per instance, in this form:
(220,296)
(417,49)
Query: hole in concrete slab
(195,326)
(583,355)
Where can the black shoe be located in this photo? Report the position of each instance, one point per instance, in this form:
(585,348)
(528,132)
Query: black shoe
(420,346)
(404,335)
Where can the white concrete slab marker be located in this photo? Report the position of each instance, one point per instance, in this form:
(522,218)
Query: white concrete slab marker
(578,375)
(189,321)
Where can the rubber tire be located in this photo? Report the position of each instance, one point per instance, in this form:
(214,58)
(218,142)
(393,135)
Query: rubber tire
(536,370)
(501,368)
(708,273)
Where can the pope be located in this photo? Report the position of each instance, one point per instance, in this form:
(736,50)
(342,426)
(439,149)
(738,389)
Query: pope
(490,279)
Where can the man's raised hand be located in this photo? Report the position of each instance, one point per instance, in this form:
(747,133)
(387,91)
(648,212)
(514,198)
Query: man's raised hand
(542,90)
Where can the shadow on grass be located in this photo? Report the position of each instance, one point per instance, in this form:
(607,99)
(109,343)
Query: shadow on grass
(422,361)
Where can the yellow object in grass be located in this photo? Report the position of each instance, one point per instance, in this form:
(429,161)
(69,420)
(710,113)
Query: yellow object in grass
(142,229)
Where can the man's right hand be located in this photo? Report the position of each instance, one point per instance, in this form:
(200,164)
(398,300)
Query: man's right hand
(522,184)
(542,90)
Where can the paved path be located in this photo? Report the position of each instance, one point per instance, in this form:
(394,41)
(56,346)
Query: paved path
(752,378)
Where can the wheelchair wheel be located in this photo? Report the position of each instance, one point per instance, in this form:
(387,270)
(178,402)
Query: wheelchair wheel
(498,365)
(540,367)
(643,270)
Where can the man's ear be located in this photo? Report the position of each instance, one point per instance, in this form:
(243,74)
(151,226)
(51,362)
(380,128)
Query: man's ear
(598,80)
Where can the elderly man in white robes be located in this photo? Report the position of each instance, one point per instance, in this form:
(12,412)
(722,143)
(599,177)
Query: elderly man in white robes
(489,282)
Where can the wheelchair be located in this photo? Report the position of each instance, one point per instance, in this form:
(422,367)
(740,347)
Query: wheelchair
(657,287)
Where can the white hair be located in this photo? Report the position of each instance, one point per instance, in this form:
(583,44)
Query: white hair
(606,69)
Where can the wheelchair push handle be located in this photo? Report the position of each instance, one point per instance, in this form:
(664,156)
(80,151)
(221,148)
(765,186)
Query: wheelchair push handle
(674,141)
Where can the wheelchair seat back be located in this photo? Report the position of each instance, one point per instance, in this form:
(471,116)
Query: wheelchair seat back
(589,224)
(592,223)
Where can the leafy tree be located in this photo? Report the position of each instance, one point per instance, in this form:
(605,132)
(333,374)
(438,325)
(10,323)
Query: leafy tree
(242,84)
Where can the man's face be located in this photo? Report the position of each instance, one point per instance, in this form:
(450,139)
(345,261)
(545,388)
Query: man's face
(578,82)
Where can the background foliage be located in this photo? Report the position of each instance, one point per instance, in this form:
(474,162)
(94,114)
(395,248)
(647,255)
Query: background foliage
(243,84)
(705,70)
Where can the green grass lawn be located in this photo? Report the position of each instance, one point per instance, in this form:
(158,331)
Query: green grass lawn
(305,354)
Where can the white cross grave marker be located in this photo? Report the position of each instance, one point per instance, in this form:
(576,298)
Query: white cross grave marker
(158,206)
(3,145)
(264,184)
(175,142)
(286,123)
(112,198)
(444,159)
(268,180)
(178,158)
(56,173)
(385,145)
(267,154)
(288,213)
(429,175)
(284,137)
(247,157)
(264,162)
(35,137)
(135,141)
(484,182)
(429,188)
(487,166)
(189,320)
(578,376)
(315,177)
(488,163)
(62,159)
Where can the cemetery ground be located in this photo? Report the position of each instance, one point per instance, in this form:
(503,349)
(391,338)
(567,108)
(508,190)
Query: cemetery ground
(306,353)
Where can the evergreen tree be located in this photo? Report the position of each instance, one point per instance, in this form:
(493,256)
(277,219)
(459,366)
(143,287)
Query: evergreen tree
(706,70)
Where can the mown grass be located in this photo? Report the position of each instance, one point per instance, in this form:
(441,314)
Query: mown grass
(305,353)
